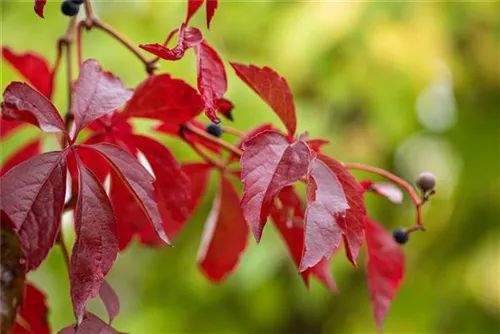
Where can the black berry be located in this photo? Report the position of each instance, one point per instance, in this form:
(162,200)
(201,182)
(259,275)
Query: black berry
(78,2)
(400,236)
(426,181)
(214,129)
(70,8)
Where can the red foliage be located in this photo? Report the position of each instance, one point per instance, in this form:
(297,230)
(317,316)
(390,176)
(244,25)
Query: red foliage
(155,205)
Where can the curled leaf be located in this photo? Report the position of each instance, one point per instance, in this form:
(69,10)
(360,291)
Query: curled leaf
(110,300)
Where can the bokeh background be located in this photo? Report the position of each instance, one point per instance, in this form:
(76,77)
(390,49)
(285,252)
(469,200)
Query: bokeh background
(407,86)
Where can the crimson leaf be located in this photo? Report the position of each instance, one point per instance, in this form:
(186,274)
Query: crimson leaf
(96,245)
(90,325)
(25,153)
(326,202)
(171,184)
(316,144)
(193,6)
(32,195)
(269,163)
(96,94)
(33,313)
(188,37)
(273,89)
(388,190)
(33,67)
(39,4)
(110,300)
(137,179)
(212,79)
(289,221)
(21,102)
(7,127)
(385,269)
(353,223)
(225,235)
(211,7)
(166,99)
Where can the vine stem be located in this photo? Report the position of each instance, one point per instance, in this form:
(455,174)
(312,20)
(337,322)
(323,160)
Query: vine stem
(233,131)
(92,21)
(399,181)
(201,133)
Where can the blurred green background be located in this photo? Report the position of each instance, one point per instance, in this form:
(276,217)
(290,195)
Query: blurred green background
(407,86)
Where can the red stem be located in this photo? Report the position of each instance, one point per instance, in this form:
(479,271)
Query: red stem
(201,133)
(399,181)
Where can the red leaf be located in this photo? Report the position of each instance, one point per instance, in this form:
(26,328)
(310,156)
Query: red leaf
(26,152)
(21,102)
(316,144)
(248,135)
(269,163)
(33,313)
(211,7)
(110,300)
(34,68)
(193,6)
(326,203)
(166,99)
(273,89)
(353,224)
(174,130)
(385,269)
(7,127)
(388,190)
(32,195)
(96,94)
(188,37)
(39,4)
(90,325)
(137,179)
(289,221)
(212,79)
(171,184)
(96,245)
(225,236)
(225,107)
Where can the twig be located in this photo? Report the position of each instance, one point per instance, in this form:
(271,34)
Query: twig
(233,131)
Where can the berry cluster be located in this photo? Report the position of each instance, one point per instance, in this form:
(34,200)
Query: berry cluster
(71,7)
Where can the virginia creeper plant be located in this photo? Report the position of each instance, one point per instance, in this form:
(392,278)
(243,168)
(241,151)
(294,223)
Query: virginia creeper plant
(154,206)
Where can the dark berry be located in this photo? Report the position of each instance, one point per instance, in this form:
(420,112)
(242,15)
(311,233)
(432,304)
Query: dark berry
(78,2)
(426,181)
(69,8)
(400,236)
(214,129)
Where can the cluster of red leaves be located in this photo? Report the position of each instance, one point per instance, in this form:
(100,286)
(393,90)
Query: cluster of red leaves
(154,205)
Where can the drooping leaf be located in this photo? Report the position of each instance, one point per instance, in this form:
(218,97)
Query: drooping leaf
(96,94)
(166,99)
(32,195)
(353,223)
(388,190)
(13,278)
(212,79)
(193,6)
(96,245)
(110,300)
(288,219)
(225,235)
(21,102)
(385,269)
(172,187)
(326,203)
(26,152)
(33,67)
(225,108)
(188,37)
(90,325)
(137,179)
(211,7)
(33,314)
(269,163)
(39,5)
(273,89)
